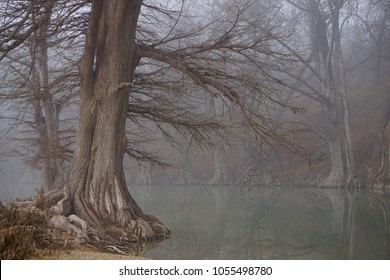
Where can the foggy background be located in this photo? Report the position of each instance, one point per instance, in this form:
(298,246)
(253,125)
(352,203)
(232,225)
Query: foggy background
(312,96)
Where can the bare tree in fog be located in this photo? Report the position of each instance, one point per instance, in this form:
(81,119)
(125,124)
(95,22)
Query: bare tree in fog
(325,63)
(139,66)
(194,55)
(168,80)
(39,85)
(375,17)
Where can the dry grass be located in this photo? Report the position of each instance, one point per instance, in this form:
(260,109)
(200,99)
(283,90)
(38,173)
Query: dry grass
(26,234)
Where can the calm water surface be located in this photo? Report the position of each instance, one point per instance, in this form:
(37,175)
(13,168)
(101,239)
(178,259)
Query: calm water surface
(268,223)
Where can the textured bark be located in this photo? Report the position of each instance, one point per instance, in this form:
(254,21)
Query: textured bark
(96,190)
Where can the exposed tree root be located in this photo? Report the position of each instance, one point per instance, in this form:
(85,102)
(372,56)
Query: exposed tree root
(141,233)
(61,222)
(115,249)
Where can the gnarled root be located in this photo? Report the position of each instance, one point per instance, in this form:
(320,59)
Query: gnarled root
(132,231)
(140,233)
(146,228)
(160,231)
(63,223)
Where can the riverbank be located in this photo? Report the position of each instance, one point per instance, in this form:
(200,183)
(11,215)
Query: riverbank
(25,233)
(84,253)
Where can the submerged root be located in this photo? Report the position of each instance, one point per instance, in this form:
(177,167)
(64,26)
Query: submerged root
(115,249)
(146,228)
(139,229)
(160,231)
(142,229)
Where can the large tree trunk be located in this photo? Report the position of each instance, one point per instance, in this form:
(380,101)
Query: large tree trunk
(382,177)
(339,131)
(336,175)
(96,190)
(345,134)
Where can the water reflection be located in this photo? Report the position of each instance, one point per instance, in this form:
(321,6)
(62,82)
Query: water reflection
(211,222)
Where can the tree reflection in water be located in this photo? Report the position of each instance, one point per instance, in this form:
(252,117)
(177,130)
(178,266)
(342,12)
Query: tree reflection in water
(217,222)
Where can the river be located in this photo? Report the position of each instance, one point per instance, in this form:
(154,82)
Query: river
(224,222)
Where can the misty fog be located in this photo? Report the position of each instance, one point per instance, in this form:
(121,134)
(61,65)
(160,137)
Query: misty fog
(249,96)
